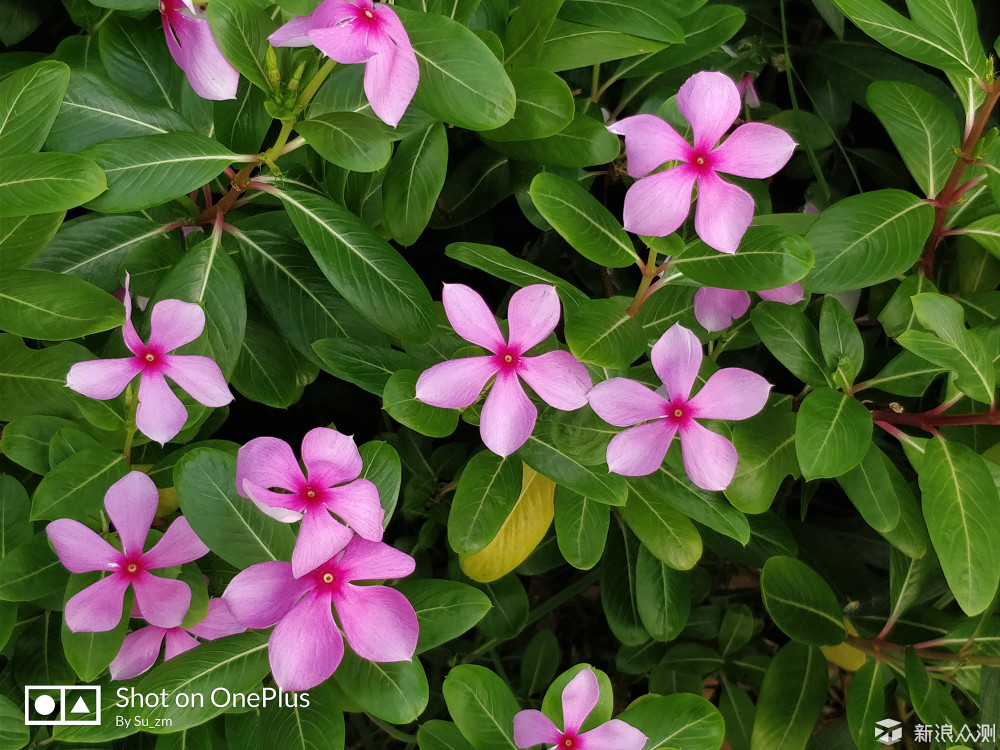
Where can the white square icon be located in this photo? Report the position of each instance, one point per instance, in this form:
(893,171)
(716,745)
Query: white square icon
(62,705)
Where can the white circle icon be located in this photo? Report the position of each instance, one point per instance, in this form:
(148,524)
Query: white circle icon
(45,704)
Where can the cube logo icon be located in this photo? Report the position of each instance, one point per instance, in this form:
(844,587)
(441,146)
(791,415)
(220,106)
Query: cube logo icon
(62,705)
(888,731)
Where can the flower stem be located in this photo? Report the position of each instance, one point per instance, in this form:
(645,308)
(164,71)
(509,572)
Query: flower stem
(929,420)
(313,86)
(648,274)
(879,647)
(132,404)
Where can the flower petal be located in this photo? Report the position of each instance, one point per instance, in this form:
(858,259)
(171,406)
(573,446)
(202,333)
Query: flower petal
(174,323)
(612,735)
(137,653)
(163,601)
(709,458)
(732,393)
(716,309)
(131,504)
(623,402)
(177,546)
(194,49)
(358,505)
(98,607)
(722,214)
(470,317)
(102,378)
(579,698)
(558,377)
(218,622)
(161,414)
(649,142)
(278,505)
(711,103)
(79,548)
(178,641)
(200,377)
(391,75)
(508,416)
(264,593)
(639,451)
(373,561)
(657,205)
(268,462)
(676,357)
(532,728)
(330,457)
(455,383)
(295,33)
(754,150)
(786,295)
(341,32)
(305,647)
(379,622)
(320,538)
(532,315)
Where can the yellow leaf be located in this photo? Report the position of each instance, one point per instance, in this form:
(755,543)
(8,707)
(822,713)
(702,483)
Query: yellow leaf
(523,530)
(843,655)
(168,502)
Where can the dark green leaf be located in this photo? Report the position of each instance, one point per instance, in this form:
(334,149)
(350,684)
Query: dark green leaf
(413,182)
(53,307)
(832,433)
(801,603)
(29,102)
(47,182)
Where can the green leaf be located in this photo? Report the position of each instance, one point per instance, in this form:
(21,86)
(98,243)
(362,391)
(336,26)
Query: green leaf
(666,532)
(866,704)
(801,603)
(23,237)
(582,434)
(382,468)
(650,19)
(348,139)
(461,81)
(739,712)
(231,525)
(95,109)
(540,662)
(676,721)
(585,142)
(482,706)
(793,340)
(765,444)
(33,381)
(149,170)
(487,491)
(736,629)
(922,128)
(135,57)
(768,257)
(544,106)
(413,182)
(445,609)
(400,402)
(573,45)
(910,534)
(602,333)
(52,307)
(832,433)
(594,483)
(76,487)
(601,713)
(986,231)
(241,28)
(15,526)
(441,735)
(905,375)
(581,528)
(582,221)
(871,491)
(29,102)
(791,699)
(368,367)
(663,596)
(31,570)
(526,32)
(510,607)
(317,726)
(959,500)
(618,586)
(843,349)
(48,182)
(373,277)
(13,731)
(269,371)
(864,240)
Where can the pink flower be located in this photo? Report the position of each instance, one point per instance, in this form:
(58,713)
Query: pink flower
(131,505)
(306,645)
(716,309)
(508,416)
(161,414)
(141,647)
(579,698)
(361,31)
(709,458)
(747,91)
(194,49)
(658,204)
(333,465)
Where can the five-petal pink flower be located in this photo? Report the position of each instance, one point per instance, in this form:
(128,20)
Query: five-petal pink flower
(354,31)
(161,414)
(194,49)
(658,204)
(131,505)
(579,697)
(716,309)
(306,646)
(331,485)
(709,458)
(508,415)
(141,647)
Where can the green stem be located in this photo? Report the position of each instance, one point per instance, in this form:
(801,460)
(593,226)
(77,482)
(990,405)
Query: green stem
(313,86)
(648,274)
(880,648)
(272,153)
(132,403)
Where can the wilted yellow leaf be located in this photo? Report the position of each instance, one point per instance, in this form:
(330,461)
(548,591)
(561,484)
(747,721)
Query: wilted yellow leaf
(523,530)
(843,655)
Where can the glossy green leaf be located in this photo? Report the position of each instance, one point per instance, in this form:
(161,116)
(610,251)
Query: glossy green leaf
(541,660)
(76,487)
(526,32)
(482,706)
(581,528)
(367,367)
(801,603)
(666,532)
(544,106)
(650,20)
(765,444)
(413,182)
(445,609)
(585,142)
(619,598)
(487,491)
(832,433)
(135,57)
(29,102)
(318,726)
(47,182)
(575,45)
(676,721)
(594,483)
(843,349)
(33,381)
(241,28)
(602,333)
(791,699)
(768,257)
(663,596)
(15,525)
(23,237)
(793,340)
(866,704)
(31,570)
(441,735)
(269,371)
(348,139)
(400,402)
(52,306)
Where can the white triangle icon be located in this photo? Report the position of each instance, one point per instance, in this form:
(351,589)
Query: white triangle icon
(79,707)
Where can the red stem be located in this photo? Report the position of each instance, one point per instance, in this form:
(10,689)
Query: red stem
(929,420)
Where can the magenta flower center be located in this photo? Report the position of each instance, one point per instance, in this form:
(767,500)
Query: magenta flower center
(701,161)
(369,14)
(568,741)
(131,566)
(328,578)
(679,413)
(150,359)
(507,359)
